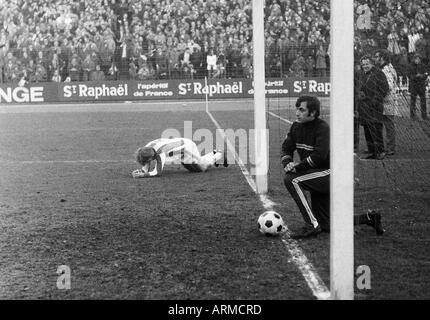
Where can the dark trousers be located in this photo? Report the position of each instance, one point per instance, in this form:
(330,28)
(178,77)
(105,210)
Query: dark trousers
(421,92)
(317,182)
(390,132)
(374,136)
(356,134)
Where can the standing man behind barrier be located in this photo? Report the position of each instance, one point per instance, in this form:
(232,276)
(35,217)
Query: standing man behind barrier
(374,89)
(391,109)
(418,74)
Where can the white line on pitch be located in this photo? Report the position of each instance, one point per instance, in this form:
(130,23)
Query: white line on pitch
(280,118)
(267,203)
(113,103)
(71,129)
(314,281)
(64,161)
(387,160)
(137,102)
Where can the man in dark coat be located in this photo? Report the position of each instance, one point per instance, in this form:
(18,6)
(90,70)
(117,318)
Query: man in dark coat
(373,89)
(417,74)
(196,60)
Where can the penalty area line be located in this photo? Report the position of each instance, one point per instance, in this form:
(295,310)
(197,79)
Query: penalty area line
(313,280)
(267,203)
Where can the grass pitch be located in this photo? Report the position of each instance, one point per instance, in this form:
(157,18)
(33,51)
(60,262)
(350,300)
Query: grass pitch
(67,198)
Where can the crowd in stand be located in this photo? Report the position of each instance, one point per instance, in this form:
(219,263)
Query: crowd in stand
(401,27)
(80,40)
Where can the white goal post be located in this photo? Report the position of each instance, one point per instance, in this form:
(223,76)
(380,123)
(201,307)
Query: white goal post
(261,136)
(341,138)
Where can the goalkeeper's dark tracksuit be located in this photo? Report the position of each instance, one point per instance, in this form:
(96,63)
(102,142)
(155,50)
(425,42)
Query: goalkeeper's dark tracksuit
(311,140)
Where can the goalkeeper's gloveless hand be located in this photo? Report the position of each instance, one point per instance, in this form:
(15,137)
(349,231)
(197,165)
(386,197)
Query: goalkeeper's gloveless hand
(290,167)
(138,173)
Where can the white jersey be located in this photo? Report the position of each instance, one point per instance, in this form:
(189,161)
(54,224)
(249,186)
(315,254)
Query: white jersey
(22,82)
(177,151)
(211,61)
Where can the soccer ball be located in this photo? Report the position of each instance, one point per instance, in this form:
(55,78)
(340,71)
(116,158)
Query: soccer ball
(271,223)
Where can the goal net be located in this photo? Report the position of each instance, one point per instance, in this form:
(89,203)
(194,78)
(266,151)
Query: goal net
(399,181)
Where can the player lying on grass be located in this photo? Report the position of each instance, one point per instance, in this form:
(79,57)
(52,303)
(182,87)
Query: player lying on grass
(156,154)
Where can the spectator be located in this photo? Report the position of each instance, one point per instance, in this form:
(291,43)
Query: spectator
(74,70)
(373,89)
(123,55)
(176,72)
(145,73)
(247,63)
(42,59)
(393,42)
(188,72)
(97,74)
(161,64)
(196,60)
(41,74)
(172,56)
(56,76)
(413,37)
(275,67)
(211,61)
(422,48)
(418,74)
(53,65)
(234,68)
(320,64)
(11,58)
(66,52)
(403,39)
(184,58)
(403,66)
(10,72)
(132,70)
(298,66)
(24,58)
(283,44)
(358,73)
(292,25)
(31,70)
(55,49)
(113,71)
(310,66)
(88,66)
(382,59)
(2,62)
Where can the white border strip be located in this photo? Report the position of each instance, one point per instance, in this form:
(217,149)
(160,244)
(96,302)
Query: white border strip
(314,281)
(247,101)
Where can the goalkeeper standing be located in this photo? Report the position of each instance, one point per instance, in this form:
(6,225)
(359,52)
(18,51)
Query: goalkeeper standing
(309,136)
